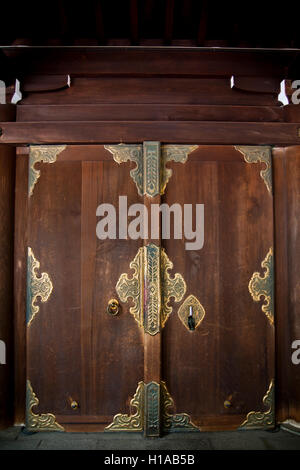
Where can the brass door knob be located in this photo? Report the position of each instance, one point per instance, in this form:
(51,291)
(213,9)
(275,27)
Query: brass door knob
(228,402)
(113,307)
(73,403)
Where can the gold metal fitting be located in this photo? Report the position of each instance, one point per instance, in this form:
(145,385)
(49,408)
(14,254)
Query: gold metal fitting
(113,307)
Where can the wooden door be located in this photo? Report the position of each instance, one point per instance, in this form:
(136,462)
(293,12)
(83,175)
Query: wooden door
(222,370)
(82,363)
(150,368)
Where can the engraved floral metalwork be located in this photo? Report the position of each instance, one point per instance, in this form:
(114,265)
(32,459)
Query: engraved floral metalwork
(36,422)
(133,421)
(132,288)
(151,402)
(197,309)
(174,422)
(152,291)
(176,153)
(262,419)
(152,409)
(171,287)
(150,174)
(123,153)
(151,287)
(263,286)
(36,286)
(41,153)
(260,154)
(151,164)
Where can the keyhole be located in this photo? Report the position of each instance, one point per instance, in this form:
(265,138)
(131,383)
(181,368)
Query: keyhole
(191,320)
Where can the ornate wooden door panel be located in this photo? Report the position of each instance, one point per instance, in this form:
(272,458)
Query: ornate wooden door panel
(222,370)
(77,352)
(192,347)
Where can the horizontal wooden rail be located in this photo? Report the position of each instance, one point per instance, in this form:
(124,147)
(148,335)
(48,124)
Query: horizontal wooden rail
(83,132)
(156,112)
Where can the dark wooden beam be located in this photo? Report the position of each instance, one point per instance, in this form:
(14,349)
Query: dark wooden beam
(134,22)
(157,112)
(169,20)
(248,133)
(100,31)
(64,23)
(202,28)
(162,61)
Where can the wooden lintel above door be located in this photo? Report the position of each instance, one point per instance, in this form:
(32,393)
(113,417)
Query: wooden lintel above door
(248,133)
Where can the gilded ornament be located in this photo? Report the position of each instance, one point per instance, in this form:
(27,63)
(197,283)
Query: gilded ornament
(151,401)
(41,153)
(123,153)
(151,164)
(260,154)
(134,421)
(171,287)
(152,279)
(174,422)
(150,174)
(152,409)
(36,422)
(264,286)
(262,419)
(152,305)
(132,288)
(36,286)
(176,153)
(197,309)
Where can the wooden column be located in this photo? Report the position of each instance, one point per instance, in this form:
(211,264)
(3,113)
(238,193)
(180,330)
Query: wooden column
(286,170)
(7,185)
(152,343)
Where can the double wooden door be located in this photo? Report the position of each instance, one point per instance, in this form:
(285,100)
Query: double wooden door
(142,334)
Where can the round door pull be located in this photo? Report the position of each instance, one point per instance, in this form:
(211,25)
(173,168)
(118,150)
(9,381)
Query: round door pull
(113,307)
(73,403)
(228,402)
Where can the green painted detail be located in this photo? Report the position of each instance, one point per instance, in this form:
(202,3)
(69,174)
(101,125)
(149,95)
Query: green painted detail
(151,163)
(152,410)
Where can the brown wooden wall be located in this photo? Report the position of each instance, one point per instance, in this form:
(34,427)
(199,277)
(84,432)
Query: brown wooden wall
(155,95)
(7,185)
(287,257)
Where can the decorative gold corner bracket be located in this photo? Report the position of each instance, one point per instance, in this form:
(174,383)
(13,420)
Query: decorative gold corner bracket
(150,174)
(262,419)
(134,153)
(151,402)
(174,422)
(36,286)
(260,154)
(176,153)
(36,422)
(191,305)
(133,421)
(151,288)
(264,286)
(41,153)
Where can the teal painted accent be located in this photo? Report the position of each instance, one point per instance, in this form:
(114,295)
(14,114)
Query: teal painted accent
(152,409)
(28,289)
